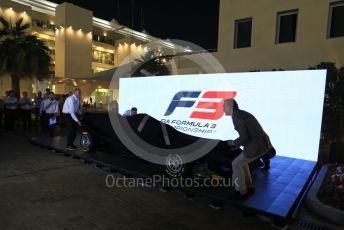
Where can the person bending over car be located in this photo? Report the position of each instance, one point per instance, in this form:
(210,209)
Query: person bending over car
(255,141)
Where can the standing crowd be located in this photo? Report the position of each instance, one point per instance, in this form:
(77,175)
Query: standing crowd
(19,111)
(47,110)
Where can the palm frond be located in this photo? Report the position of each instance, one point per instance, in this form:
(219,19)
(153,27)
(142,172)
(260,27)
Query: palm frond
(19,22)
(4,22)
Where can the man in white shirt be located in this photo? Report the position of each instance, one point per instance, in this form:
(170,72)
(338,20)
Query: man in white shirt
(25,110)
(50,109)
(71,110)
(11,106)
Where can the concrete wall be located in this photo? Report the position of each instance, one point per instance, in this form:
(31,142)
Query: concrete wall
(127,50)
(73,41)
(311,47)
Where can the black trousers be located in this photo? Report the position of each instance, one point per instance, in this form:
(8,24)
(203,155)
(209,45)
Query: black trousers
(10,118)
(49,128)
(71,129)
(37,118)
(26,118)
(1,117)
(44,122)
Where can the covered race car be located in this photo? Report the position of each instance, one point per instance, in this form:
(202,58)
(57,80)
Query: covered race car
(98,134)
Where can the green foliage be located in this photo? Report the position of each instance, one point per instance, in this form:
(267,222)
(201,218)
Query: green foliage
(9,31)
(152,64)
(22,55)
(333,117)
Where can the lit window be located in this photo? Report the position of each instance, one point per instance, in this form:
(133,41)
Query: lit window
(243,32)
(286,26)
(336,20)
(103,57)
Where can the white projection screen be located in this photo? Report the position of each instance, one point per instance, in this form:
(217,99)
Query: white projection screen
(288,105)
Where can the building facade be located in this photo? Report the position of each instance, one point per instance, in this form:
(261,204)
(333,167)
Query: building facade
(253,35)
(269,34)
(80,43)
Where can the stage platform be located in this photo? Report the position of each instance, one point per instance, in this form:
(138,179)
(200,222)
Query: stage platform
(278,194)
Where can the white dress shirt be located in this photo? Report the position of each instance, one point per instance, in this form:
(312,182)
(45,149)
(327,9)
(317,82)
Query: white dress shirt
(72,107)
(49,106)
(11,103)
(25,103)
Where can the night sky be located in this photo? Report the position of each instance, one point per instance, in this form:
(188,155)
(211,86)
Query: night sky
(195,21)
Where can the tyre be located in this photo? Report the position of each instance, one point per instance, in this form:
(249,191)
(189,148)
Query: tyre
(86,142)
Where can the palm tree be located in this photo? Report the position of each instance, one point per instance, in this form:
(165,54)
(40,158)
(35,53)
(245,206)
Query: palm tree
(151,64)
(22,55)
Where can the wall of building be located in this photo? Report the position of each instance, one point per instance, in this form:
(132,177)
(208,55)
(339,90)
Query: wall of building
(14,11)
(311,47)
(73,41)
(5,84)
(127,50)
(25,85)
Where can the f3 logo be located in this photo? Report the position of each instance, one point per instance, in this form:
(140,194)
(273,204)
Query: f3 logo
(205,104)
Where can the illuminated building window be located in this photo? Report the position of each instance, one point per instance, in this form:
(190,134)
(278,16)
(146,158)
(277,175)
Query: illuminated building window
(103,57)
(336,20)
(97,70)
(286,26)
(243,32)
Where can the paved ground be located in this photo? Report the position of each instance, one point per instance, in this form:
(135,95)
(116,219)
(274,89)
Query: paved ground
(40,189)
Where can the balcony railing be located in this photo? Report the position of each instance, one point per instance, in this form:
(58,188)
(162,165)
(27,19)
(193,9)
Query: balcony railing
(103,61)
(44,25)
(103,39)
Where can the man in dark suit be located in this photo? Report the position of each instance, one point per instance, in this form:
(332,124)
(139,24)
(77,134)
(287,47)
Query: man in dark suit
(255,142)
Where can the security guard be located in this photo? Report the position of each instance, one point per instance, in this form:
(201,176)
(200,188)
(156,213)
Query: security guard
(11,106)
(50,109)
(25,104)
